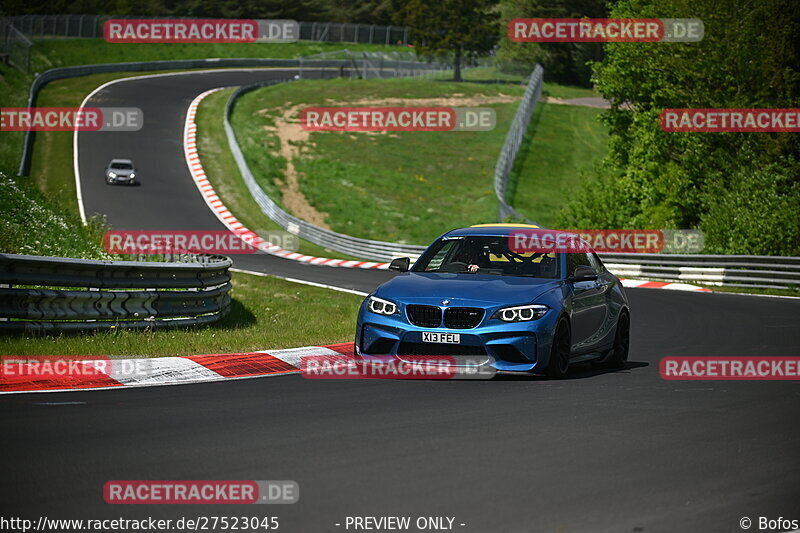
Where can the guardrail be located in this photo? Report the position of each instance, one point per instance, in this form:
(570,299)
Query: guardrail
(516,132)
(44,294)
(91,26)
(756,271)
(365,248)
(142,66)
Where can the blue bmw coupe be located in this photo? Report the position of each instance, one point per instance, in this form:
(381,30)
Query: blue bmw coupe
(471,294)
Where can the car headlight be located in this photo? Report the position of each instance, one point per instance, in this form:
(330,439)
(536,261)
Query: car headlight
(133,175)
(522,313)
(380,306)
(111,174)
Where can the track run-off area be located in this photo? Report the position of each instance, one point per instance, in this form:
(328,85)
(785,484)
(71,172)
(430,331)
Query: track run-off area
(599,451)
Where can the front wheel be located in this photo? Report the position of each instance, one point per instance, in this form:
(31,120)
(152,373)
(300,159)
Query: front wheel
(559,354)
(622,342)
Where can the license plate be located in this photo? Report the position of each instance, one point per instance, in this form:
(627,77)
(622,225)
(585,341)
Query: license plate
(446,338)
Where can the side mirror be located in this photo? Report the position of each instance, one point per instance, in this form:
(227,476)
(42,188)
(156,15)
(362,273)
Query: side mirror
(400,264)
(583,273)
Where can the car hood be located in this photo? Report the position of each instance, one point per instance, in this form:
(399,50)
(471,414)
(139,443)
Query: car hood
(464,289)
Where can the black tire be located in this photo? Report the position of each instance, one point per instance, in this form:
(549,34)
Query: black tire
(558,365)
(622,342)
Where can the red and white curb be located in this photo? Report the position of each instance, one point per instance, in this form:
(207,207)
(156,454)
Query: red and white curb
(227,218)
(28,376)
(644,284)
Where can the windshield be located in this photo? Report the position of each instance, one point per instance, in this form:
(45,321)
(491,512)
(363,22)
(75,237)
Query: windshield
(485,255)
(121,166)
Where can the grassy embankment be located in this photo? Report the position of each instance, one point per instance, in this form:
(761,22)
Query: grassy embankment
(412,186)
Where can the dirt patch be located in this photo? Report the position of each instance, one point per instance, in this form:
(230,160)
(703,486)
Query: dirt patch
(452,100)
(294,140)
(589,101)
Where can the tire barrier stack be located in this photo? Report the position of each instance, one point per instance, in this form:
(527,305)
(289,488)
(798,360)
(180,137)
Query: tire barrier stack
(51,294)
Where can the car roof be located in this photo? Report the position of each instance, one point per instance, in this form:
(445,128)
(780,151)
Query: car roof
(128,161)
(490,230)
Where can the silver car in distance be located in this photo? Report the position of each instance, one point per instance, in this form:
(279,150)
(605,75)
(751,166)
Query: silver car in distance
(121,171)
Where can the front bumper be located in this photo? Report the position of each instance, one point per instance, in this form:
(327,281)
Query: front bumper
(120,179)
(506,346)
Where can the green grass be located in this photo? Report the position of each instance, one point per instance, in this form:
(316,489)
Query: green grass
(403,186)
(567,91)
(267,313)
(13,93)
(34,224)
(562,142)
(51,53)
(489,74)
(224,175)
(495,75)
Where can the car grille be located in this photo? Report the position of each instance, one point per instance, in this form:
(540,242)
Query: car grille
(462,317)
(426,348)
(424,316)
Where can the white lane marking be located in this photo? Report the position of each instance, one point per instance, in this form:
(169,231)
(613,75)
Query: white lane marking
(75,164)
(301,281)
(75,132)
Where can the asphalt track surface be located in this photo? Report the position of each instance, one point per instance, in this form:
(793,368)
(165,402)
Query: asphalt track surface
(167,198)
(599,451)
